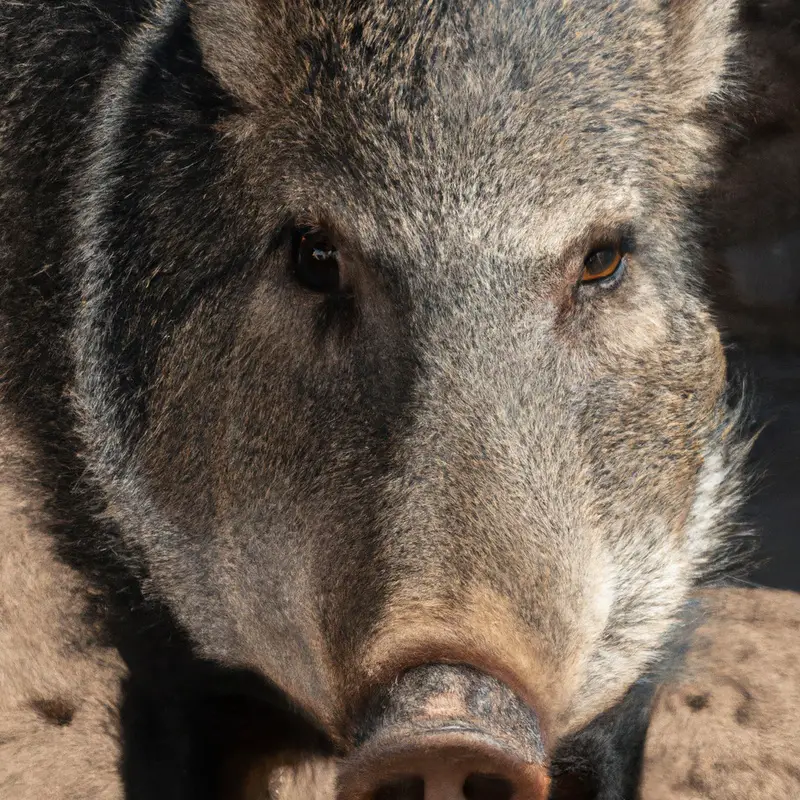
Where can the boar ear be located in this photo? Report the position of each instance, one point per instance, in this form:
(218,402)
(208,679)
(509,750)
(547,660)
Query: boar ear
(235,39)
(701,40)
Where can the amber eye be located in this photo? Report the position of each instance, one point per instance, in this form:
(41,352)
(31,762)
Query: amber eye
(602,263)
(316,261)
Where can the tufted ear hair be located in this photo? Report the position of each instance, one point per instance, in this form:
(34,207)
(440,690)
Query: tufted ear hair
(701,40)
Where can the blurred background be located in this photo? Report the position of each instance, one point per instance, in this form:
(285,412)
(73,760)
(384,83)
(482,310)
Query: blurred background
(754,244)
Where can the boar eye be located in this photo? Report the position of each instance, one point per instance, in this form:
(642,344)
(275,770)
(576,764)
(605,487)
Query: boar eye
(316,261)
(603,263)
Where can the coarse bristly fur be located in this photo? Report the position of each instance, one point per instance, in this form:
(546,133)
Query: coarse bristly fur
(466,456)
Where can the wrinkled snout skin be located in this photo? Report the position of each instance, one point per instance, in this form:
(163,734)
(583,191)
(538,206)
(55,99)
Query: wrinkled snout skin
(470,457)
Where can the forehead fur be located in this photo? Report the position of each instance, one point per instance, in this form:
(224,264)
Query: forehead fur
(403,50)
(498,109)
(497,64)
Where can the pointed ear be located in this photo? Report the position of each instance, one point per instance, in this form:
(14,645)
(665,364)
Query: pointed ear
(237,38)
(701,41)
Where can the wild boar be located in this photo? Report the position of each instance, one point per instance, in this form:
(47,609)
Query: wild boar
(360,349)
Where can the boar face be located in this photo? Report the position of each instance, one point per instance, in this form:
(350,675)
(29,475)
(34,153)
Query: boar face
(390,349)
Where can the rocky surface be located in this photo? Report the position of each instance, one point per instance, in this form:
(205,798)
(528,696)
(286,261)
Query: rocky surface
(60,689)
(729,727)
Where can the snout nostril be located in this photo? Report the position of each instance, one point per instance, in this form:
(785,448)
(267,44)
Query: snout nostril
(402,789)
(488,787)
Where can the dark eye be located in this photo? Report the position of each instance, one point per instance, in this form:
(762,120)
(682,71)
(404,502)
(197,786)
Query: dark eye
(602,263)
(316,261)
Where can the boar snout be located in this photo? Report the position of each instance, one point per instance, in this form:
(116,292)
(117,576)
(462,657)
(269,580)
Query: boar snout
(446,733)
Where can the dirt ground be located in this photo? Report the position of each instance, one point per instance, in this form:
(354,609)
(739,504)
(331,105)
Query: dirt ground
(729,726)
